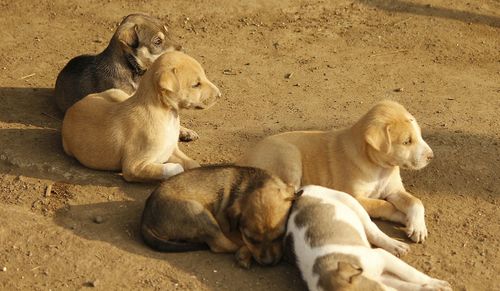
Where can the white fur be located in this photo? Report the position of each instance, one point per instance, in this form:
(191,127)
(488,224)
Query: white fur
(375,263)
(171,128)
(144,54)
(172,169)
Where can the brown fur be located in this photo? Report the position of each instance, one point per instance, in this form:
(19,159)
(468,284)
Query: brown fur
(345,277)
(312,210)
(138,134)
(214,204)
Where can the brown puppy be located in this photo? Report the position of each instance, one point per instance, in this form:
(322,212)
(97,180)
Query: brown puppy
(138,134)
(210,205)
(363,160)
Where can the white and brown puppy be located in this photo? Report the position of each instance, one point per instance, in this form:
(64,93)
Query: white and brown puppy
(329,235)
(229,208)
(138,134)
(363,160)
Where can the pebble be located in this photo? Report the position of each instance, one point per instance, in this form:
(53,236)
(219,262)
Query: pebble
(4,269)
(98,219)
(288,75)
(398,90)
(92,283)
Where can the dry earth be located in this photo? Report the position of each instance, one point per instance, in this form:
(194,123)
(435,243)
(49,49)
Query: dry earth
(343,56)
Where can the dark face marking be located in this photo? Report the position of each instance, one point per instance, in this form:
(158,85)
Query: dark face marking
(322,228)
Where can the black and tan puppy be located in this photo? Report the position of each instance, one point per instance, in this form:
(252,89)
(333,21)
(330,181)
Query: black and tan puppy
(229,208)
(137,42)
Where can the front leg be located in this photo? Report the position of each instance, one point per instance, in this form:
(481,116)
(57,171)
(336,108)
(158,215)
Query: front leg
(181,158)
(381,209)
(374,234)
(415,214)
(244,257)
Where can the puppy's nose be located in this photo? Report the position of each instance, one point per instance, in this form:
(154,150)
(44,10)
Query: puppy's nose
(429,156)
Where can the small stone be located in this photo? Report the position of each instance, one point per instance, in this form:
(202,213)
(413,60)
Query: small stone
(92,283)
(288,75)
(4,269)
(98,219)
(398,90)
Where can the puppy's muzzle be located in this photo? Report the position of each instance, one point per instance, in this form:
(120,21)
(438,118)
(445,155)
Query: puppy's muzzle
(210,101)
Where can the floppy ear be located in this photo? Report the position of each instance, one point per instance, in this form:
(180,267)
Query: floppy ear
(168,82)
(379,138)
(129,37)
(295,196)
(233,214)
(348,271)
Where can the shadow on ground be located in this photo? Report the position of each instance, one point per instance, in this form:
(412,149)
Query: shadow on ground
(428,10)
(120,228)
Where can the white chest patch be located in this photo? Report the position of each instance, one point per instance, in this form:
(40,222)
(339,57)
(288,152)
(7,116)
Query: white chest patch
(169,137)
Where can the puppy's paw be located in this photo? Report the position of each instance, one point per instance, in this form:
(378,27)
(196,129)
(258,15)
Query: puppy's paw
(187,135)
(244,258)
(417,231)
(436,285)
(415,225)
(171,169)
(398,248)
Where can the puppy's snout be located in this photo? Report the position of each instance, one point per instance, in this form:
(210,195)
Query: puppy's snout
(429,156)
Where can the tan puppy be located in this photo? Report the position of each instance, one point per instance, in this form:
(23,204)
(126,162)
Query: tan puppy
(362,160)
(212,205)
(138,134)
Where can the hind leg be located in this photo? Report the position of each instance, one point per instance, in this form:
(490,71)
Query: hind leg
(407,273)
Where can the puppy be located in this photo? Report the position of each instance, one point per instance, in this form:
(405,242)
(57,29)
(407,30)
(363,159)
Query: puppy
(229,208)
(137,42)
(138,134)
(329,234)
(363,160)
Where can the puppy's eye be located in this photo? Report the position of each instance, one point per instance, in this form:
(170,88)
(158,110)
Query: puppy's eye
(196,85)
(252,240)
(157,41)
(407,142)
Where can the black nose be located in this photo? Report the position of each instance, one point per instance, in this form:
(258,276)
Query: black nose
(430,156)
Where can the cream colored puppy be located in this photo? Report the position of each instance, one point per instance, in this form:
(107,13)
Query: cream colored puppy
(362,160)
(138,134)
(329,236)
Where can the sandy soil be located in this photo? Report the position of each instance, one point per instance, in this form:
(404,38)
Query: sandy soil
(343,56)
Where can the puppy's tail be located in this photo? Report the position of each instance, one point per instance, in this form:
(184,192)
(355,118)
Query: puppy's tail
(164,245)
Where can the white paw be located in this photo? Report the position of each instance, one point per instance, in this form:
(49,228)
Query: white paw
(436,285)
(172,169)
(415,225)
(397,248)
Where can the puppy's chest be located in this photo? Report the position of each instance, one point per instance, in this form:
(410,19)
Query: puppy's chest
(167,135)
(373,188)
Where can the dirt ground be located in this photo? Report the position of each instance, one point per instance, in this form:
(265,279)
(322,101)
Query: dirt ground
(440,58)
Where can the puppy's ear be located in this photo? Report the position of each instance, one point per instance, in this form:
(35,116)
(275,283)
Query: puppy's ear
(378,137)
(129,37)
(233,214)
(295,196)
(348,271)
(168,82)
